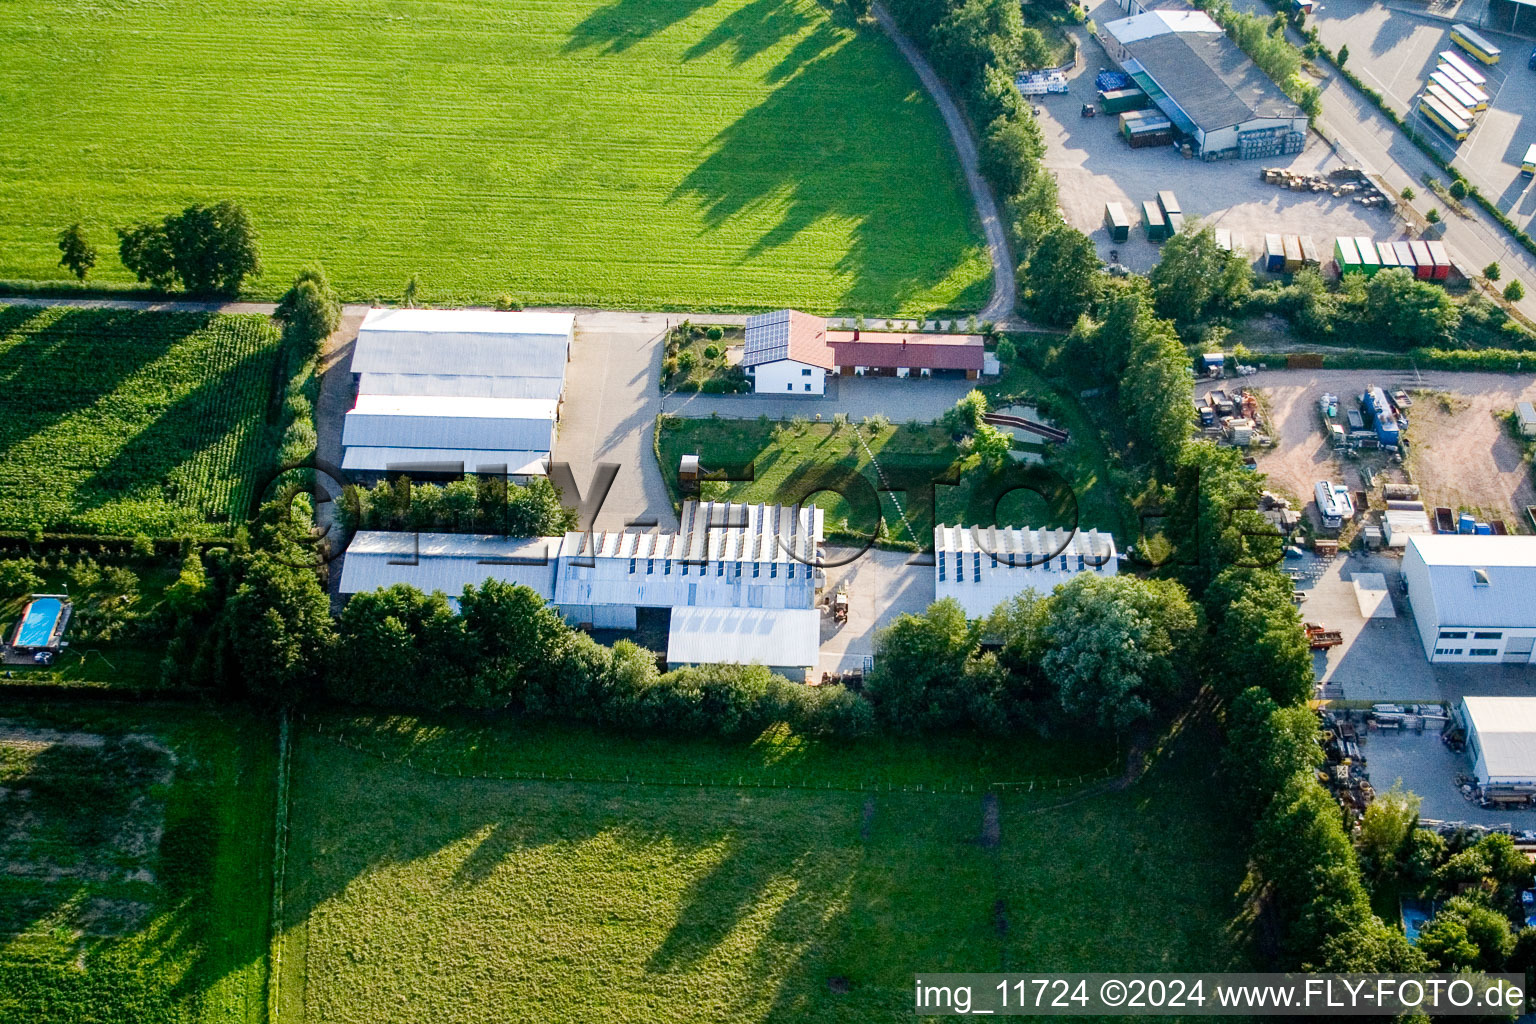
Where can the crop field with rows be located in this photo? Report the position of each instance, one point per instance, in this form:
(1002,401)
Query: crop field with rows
(632,153)
(121,422)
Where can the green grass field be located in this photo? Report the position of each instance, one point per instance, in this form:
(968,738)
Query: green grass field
(427,897)
(790,461)
(135,865)
(635,153)
(123,423)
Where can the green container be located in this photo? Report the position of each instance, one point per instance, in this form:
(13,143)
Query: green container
(1117,101)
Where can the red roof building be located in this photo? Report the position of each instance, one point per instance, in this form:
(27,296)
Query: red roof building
(882,352)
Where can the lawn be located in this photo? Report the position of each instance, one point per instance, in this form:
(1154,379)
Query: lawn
(122,423)
(634,153)
(429,897)
(792,461)
(136,881)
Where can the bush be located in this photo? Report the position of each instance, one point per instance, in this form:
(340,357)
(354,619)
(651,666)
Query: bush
(688,385)
(1492,271)
(1408,193)
(507,303)
(1458,189)
(1514,291)
(714,334)
(1433,216)
(712,352)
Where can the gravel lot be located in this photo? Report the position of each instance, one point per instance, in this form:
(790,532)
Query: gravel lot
(1463,457)
(1093,165)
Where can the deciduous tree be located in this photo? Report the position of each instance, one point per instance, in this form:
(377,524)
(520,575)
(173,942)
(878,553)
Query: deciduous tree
(76,251)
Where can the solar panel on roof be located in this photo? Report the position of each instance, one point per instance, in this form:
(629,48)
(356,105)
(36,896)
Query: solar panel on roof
(767,338)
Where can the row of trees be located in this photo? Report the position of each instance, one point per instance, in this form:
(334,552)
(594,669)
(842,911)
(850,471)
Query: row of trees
(206,249)
(484,504)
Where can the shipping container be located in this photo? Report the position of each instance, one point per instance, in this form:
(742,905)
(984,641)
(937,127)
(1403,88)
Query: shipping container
(1423,262)
(1437,114)
(1311,256)
(1175,223)
(1224,239)
(1456,62)
(1115,101)
(1346,254)
(1367,250)
(1383,416)
(1117,222)
(1449,102)
(1476,45)
(1440,260)
(1168,202)
(1387,254)
(1162,135)
(1152,220)
(1404,253)
(1274,254)
(1292,245)
(1459,91)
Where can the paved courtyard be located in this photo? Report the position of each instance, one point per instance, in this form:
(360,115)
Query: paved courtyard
(881,585)
(1094,165)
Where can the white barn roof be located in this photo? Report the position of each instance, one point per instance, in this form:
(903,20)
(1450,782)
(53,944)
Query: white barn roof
(370,459)
(981,567)
(448,561)
(1157,23)
(779,637)
(1506,735)
(453,385)
(464,341)
(429,421)
(1480,580)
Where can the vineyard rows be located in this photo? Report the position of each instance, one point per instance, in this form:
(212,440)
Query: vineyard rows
(126,423)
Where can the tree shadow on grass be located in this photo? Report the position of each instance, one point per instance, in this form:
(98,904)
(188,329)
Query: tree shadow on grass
(43,375)
(620,25)
(847,163)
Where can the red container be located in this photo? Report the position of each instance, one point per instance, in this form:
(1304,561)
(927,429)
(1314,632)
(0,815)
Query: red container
(1424,263)
(1441,259)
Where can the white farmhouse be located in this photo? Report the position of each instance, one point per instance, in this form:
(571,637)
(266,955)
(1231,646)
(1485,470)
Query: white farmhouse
(786,353)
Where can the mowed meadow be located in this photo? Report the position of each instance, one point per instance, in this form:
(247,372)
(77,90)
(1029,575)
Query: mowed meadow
(637,153)
(418,892)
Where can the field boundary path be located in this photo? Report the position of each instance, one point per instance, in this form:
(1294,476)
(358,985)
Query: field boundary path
(1005,285)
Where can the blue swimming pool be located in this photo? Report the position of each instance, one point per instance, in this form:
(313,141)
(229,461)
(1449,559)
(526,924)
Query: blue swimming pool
(39,621)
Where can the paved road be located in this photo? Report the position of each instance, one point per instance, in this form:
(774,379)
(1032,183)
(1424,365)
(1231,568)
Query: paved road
(1005,287)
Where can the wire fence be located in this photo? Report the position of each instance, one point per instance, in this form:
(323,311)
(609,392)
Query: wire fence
(714,781)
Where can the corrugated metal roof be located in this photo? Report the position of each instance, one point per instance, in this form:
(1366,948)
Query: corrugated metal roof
(781,637)
(426,421)
(786,334)
(982,567)
(1458,564)
(473,342)
(1025,546)
(1206,75)
(448,561)
(450,385)
(1506,733)
(472,460)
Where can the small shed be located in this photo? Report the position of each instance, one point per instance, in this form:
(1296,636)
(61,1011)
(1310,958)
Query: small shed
(688,470)
(1525,418)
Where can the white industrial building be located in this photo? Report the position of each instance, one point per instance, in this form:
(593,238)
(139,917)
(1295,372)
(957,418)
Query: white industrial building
(446,387)
(1501,741)
(982,566)
(786,353)
(740,580)
(1211,91)
(448,562)
(1473,597)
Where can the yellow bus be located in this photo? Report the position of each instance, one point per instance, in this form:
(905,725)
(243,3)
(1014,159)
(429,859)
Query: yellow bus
(1459,64)
(1474,44)
(1458,91)
(1449,102)
(1435,112)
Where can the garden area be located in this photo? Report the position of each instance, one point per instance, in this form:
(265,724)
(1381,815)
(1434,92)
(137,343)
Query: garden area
(918,474)
(136,864)
(637,155)
(705,358)
(459,898)
(125,423)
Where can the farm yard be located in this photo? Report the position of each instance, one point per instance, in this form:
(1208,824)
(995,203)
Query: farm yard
(635,154)
(136,859)
(455,899)
(125,423)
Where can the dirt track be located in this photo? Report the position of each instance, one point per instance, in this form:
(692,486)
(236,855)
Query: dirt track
(1462,456)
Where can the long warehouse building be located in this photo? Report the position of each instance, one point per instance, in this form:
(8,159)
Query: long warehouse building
(1205,84)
